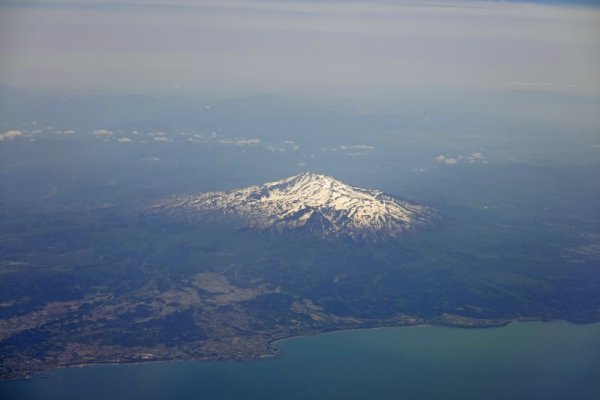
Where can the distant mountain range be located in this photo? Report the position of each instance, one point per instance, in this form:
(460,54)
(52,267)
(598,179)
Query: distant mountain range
(314,203)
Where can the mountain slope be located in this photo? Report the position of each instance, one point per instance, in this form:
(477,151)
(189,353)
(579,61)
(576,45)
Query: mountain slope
(315,203)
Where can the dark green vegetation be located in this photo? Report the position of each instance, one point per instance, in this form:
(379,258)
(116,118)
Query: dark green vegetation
(112,283)
(86,276)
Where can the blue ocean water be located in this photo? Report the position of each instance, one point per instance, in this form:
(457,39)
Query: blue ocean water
(528,360)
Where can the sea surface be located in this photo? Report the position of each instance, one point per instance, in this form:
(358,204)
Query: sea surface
(525,360)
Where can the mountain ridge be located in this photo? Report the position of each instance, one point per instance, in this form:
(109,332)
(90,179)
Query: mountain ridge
(315,203)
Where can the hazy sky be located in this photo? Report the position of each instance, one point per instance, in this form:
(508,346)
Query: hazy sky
(241,47)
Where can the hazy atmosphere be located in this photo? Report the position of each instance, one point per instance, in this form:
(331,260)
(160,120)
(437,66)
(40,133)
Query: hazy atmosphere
(242,190)
(330,47)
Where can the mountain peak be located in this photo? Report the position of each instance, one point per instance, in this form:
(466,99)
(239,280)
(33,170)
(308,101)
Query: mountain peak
(318,204)
(308,177)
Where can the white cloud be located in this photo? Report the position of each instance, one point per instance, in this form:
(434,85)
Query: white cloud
(68,132)
(102,132)
(357,147)
(197,138)
(473,158)
(248,142)
(446,160)
(353,149)
(241,142)
(124,140)
(275,149)
(476,158)
(11,134)
(162,139)
(292,144)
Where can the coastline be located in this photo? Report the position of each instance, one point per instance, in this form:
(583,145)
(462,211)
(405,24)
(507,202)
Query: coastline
(273,351)
(429,362)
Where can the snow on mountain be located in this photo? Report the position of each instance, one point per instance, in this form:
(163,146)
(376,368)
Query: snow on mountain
(315,203)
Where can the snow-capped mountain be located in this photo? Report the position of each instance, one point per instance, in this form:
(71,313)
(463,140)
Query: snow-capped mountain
(315,203)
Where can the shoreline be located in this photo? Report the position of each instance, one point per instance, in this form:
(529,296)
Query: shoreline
(278,353)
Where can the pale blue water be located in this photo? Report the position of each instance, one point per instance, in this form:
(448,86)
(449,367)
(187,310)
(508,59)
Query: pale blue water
(532,360)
